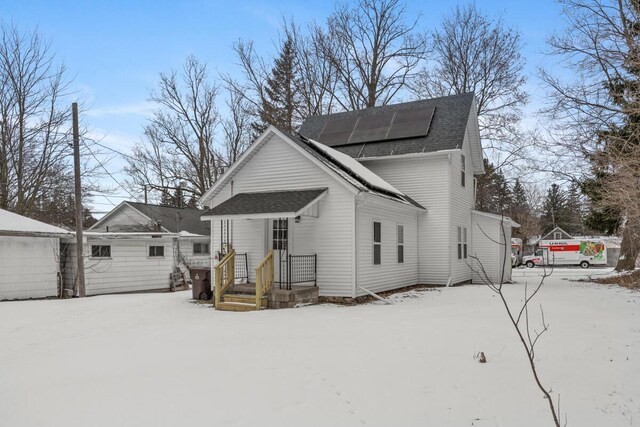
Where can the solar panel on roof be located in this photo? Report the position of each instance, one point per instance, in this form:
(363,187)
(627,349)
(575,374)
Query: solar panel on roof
(377,127)
(337,131)
(372,128)
(411,123)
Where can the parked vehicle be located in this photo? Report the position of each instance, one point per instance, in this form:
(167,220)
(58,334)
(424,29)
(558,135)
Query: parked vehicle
(584,253)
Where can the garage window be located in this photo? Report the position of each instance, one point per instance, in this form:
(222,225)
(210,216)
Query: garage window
(200,248)
(100,251)
(156,251)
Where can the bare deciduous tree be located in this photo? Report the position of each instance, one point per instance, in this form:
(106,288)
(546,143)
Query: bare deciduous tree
(237,131)
(373,49)
(596,112)
(475,53)
(180,136)
(519,316)
(34,123)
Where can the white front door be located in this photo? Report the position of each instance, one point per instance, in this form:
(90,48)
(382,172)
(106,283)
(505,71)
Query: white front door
(278,240)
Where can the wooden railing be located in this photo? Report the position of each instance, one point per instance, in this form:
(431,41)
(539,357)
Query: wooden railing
(224,275)
(264,278)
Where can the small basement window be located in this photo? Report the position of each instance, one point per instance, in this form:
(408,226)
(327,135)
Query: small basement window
(100,251)
(400,244)
(463,177)
(200,248)
(156,251)
(377,243)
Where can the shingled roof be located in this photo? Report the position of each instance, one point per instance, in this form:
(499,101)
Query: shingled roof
(283,203)
(174,219)
(446,131)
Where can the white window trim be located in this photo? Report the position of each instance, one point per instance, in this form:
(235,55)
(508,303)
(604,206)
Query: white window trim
(374,243)
(164,251)
(208,252)
(463,171)
(99,257)
(398,244)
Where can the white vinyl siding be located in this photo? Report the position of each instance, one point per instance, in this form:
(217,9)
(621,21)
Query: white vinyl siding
(28,267)
(389,274)
(278,165)
(495,261)
(427,181)
(128,269)
(462,203)
(186,256)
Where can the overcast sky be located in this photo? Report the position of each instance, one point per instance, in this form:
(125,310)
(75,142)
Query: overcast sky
(116,49)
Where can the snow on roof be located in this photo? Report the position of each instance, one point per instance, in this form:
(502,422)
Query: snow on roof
(15,223)
(357,168)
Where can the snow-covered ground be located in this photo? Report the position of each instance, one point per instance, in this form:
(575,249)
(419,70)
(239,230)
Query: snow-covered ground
(161,360)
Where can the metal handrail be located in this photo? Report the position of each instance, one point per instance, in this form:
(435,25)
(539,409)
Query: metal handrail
(302,269)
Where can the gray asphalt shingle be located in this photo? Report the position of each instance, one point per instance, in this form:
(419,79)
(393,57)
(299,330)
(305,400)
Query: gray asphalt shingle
(266,202)
(174,219)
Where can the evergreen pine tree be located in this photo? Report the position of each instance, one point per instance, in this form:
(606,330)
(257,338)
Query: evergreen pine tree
(574,211)
(554,210)
(492,192)
(281,102)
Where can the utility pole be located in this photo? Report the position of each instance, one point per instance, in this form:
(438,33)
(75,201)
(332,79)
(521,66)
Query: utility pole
(76,172)
(145,194)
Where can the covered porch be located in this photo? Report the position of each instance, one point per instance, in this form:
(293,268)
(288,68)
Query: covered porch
(265,254)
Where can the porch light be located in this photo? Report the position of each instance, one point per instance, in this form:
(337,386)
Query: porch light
(298,219)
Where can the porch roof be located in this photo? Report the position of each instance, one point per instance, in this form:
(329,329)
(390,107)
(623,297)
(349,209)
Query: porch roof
(267,204)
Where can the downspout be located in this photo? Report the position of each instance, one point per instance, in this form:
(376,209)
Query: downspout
(450,279)
(354,264)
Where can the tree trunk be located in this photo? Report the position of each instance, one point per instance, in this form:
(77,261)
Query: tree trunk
(629,248)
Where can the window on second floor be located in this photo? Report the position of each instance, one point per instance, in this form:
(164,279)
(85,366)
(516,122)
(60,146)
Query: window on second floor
(463,169)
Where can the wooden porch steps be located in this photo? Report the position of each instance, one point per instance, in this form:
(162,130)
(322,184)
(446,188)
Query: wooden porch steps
(241,302)
(235,306)
(245,299)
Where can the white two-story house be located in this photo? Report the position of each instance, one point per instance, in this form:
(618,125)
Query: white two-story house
(367,200)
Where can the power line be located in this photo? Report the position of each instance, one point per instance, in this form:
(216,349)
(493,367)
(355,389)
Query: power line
(108,173)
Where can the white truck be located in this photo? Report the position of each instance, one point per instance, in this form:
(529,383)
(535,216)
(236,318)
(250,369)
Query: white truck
(584,253)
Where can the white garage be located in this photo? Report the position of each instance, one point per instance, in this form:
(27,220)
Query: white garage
(29,257)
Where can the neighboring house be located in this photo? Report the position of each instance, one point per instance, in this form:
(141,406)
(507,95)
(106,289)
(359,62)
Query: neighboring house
(193,244)
(368,200)
(29,257)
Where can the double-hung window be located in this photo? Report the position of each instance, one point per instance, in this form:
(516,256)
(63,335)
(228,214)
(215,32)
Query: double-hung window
(462,243)
(377,243)
(400,244)
(463,168)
